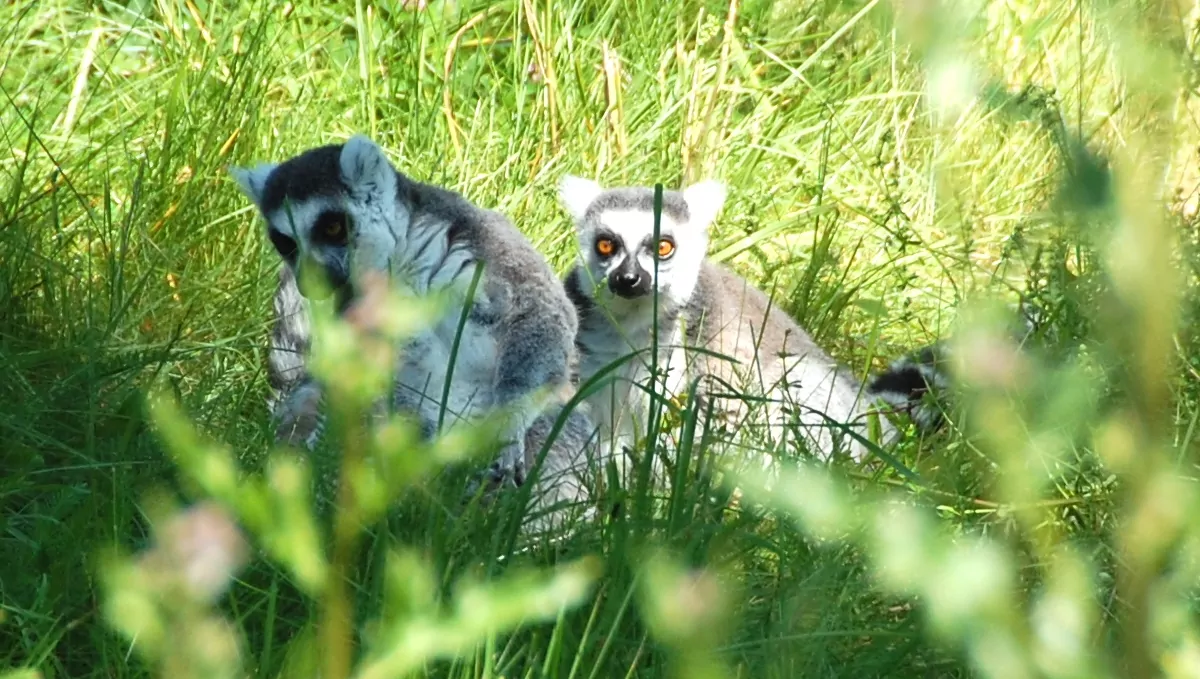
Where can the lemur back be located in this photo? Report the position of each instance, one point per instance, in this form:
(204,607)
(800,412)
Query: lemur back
(344,210)
(776,357)
(778,376)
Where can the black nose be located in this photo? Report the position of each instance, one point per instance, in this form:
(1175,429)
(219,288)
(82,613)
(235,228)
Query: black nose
(336,280)
(629,284)
(343,297)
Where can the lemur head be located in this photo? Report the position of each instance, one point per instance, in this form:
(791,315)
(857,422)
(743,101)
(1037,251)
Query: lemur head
(332,208)
(616,235)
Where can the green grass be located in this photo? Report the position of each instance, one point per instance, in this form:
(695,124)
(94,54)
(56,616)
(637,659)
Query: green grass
(128,258)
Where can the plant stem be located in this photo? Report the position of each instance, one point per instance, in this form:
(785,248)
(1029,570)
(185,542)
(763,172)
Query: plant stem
(338,611)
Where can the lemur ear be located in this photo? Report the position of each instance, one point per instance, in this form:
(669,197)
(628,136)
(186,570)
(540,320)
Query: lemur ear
(253,180)
(577,194)
(363,162)
(704,200)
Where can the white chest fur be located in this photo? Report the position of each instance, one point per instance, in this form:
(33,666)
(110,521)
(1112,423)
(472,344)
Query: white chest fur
(621,408)
(432,361)
(445,375)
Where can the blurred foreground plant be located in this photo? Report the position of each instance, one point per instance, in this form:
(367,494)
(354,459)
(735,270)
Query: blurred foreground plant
(689,611)
(1031,601)
(162,601)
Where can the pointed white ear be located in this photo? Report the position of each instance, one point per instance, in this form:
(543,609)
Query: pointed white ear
(704,200)
(577,194)
(252,180)
(363,162)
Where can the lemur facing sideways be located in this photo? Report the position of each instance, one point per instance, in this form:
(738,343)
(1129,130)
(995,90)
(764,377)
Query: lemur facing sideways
(349,211)
(776,369)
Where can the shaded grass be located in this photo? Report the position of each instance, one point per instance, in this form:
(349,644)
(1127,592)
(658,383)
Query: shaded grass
(126,254)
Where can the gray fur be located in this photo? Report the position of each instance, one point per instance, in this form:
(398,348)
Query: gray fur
(567,477)
(517,345)
(289,339)
(700,306)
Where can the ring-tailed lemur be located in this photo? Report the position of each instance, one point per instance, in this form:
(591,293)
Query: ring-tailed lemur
(343,209)
(700,305)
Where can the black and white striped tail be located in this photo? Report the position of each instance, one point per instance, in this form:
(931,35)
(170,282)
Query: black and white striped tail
(915,384)
(919,383)
(290,338)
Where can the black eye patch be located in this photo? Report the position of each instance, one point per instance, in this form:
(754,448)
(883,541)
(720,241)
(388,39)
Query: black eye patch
(606,244)
(332,228)
(284,245)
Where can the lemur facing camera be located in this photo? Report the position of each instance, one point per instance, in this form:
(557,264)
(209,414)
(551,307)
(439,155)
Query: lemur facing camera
(706,315)
(345,210)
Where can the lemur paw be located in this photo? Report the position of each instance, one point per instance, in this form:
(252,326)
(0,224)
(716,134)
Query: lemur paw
(299,420)
(507,470)
(488,482)
(509,467)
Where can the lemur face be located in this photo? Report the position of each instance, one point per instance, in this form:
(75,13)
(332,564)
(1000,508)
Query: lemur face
(617,239)
(624,252)
(329,210)
(316,236)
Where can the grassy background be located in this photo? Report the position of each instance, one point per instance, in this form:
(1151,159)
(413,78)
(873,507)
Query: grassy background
(126,254)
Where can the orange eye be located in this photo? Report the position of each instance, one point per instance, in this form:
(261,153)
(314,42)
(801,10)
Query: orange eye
(665,249)
(605,247)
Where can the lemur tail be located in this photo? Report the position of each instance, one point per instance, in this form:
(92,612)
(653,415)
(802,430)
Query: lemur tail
(291,335)
(919,383)
(915,384)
